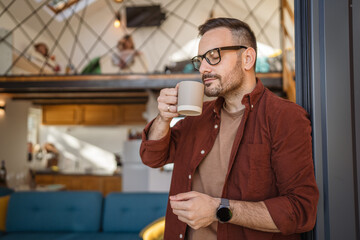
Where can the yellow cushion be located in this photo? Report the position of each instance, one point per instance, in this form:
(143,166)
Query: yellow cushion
(154,231)
(3,210)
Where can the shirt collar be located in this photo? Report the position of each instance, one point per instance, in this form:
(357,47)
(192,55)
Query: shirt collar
(249,100)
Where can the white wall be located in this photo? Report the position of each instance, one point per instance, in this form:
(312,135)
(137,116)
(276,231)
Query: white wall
(173,33)
(13,139)
(20,38)
(83,147)
(109,138)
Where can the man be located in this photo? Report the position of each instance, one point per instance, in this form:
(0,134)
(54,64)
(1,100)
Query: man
(243,169)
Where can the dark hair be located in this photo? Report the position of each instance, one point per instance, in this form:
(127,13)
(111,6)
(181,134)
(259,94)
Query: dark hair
(126,38)
(239,29)
(38,45)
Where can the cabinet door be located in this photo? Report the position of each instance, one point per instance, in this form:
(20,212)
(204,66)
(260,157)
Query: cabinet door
(99,114)
(61,114)
(112,184)
(70,182)
(132,114)
(44,179)
(92,183)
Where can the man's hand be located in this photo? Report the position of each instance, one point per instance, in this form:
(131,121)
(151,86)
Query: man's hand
(195,209)
(167,103)
(167,111)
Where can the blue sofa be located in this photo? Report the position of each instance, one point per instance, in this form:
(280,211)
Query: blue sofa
(68,215)
(4,191)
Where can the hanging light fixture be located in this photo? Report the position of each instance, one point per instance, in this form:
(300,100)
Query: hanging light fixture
(117,22)
(211,15)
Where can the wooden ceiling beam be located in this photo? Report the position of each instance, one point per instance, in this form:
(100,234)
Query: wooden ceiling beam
(92,82)
(89,101)
(81,97)
(78,95)
(103,89)
(103,77)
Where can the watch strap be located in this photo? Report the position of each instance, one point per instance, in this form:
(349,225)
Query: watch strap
(225,202)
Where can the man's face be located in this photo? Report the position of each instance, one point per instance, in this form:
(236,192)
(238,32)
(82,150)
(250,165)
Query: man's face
(226,76)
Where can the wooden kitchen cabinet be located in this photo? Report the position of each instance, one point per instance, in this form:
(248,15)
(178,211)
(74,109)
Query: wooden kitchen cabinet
(92,183)
(110,184)
(93,114)
(74,182)
(45,179)
(61,114)
(132,114)
(99,114)
(70,183)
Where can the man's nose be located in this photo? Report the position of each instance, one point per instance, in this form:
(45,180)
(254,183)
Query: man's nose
(204,67)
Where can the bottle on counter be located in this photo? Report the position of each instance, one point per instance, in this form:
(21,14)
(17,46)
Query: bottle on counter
(118,164)
(3,174)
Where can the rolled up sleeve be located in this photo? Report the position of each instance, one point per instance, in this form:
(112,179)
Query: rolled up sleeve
(154,153)
(157,153)
(294,211)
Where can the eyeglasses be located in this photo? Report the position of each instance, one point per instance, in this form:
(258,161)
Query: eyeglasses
(212,56)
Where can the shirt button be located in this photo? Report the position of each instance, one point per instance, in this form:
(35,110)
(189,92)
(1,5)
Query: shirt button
(216,126)
(202,152)
(252,106)
(189,176)
(180,236)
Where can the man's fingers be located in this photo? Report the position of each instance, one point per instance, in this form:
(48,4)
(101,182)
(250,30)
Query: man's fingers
(182,213)
(184,196)
(169,92)
(188,221)
(167,101)
(172,109)
(194,208)
(184,216)
(164,107)
(170,100)
(179,205)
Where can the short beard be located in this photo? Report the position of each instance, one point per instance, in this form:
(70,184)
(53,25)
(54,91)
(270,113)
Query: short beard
(216,90)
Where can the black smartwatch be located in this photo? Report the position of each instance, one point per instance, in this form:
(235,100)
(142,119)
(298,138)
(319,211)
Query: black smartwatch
(223,213)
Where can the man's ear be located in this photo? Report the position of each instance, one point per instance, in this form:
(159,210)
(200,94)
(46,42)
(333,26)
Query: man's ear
(249,57)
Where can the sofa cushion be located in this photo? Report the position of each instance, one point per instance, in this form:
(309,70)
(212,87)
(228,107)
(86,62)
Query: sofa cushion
(54,211)
(107,236)
(131,212)
(37,236)
(4,191)
(70,236)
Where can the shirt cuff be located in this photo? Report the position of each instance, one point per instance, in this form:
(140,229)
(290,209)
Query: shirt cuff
(281,212)
(155,145)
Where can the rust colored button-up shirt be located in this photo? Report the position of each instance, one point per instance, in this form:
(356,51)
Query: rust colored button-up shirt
(270,161)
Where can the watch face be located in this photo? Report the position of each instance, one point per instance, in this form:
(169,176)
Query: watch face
(224,214)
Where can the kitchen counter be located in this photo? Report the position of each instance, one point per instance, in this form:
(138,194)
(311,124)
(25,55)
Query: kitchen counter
(104,183)
(74,173)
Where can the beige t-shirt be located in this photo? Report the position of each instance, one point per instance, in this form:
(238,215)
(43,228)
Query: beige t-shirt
(209,177)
